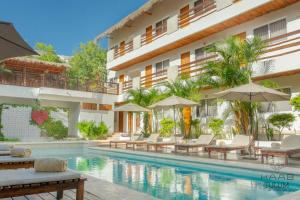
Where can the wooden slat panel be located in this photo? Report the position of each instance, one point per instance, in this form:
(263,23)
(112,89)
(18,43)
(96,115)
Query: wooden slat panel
(121,118)
(185,60)
(122,48)
(89,106)
(105,107)
(184,16)
(149,34)
(130,122)
(148,82)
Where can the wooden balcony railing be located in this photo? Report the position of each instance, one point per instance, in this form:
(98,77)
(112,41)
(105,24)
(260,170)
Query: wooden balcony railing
(122,50)
(127,85)
(195,13)
(153,79)
(155,34)
(59,81)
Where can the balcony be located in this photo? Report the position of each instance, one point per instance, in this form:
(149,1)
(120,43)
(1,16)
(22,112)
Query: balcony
(279,52)
(58,81)
(190,26)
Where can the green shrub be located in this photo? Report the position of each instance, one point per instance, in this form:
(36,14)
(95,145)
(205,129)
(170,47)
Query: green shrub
(91,131)
(55,129)
(216,125)
(167,126)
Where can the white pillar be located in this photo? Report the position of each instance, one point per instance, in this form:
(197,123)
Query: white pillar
(223,3)
(172,24)
(172,73)
(136,82)
(137,42)
(73,119)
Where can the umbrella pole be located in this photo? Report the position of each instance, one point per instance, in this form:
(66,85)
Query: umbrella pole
(175,123)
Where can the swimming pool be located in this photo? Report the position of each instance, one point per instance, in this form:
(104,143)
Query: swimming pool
(168,180)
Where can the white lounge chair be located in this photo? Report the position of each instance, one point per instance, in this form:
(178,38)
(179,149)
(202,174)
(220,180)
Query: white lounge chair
(239,142)
(23,182)
(288,147)
(5,149)
(152,138)
(119,139)
(202,141)
(161,144)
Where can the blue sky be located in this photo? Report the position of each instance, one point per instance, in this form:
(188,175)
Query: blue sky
(64,23)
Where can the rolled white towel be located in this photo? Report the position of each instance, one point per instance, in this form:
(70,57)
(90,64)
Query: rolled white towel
(50,165)
(6,147)
(20,152)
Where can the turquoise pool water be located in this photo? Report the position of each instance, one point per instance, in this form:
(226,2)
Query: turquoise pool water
(168,180)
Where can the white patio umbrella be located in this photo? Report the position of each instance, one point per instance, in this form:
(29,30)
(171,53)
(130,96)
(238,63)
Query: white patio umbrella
(252,92)
(173,102)
(131,107)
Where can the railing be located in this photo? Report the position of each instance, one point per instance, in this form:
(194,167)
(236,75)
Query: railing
(195,13)
(127,85)
(59,81)
(155,34)
(153,79)
(120,51)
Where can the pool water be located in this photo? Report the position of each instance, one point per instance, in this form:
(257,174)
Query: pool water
(166,180)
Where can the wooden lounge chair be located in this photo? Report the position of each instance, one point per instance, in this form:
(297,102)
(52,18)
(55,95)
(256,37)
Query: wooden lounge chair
(239,142)
(23,182)
(8,162)
(202,141)
(289,146)
(152,138)
(162,144)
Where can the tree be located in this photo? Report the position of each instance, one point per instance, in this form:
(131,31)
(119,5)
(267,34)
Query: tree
(47,53)
(281,121)
(185,88)
(88,63)
(233,68)
(216,125)
(145,97)
(296,102)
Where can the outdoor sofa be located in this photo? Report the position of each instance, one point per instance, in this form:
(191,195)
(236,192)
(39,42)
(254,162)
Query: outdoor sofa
(203,141)
(239,142)
(21,182)
(288,147)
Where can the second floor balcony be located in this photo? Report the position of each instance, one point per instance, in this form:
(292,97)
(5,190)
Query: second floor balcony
(190,24)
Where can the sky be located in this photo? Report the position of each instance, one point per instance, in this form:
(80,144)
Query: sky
(65,23)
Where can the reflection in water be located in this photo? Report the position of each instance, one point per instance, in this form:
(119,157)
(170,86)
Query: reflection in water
(171,182)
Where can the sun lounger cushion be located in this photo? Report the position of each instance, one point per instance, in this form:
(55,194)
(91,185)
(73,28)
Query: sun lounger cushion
(50,165)
(10,159)
(4,153)
(241,140)
(30,176)
(6,147)
(153,137)
(292,141)
(205,139)
(20,152)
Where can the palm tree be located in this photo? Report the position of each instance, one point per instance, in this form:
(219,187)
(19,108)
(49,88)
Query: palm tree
(186,88)
(232,68)
(145,98)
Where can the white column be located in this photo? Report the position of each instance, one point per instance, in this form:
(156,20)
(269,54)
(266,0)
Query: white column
(223,4)
(110,55)
(172,24)
(136,82)
(73,119)
(137,42)
(172,73)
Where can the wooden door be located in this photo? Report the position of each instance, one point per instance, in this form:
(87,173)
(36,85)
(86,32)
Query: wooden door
(184,16)
(187,117)
(121,118)
(241,36)
(130,122)
(122,48)
(121,78)
(185,64)
(148,76)
(149,34)
(137,121)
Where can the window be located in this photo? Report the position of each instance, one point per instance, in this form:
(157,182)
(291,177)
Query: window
(202,53)
(161,67)
(271,30)
(161,27)
(198,6)
(201,5)
(207,108)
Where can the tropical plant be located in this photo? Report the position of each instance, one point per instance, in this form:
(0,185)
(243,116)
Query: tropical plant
(295,102)
(196,130)
(145,98)
(91,131)
(185,88)
(166,127)
(281,121)
(54,128)
(216,125)
(47,53)
(233,68)
(88,63)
